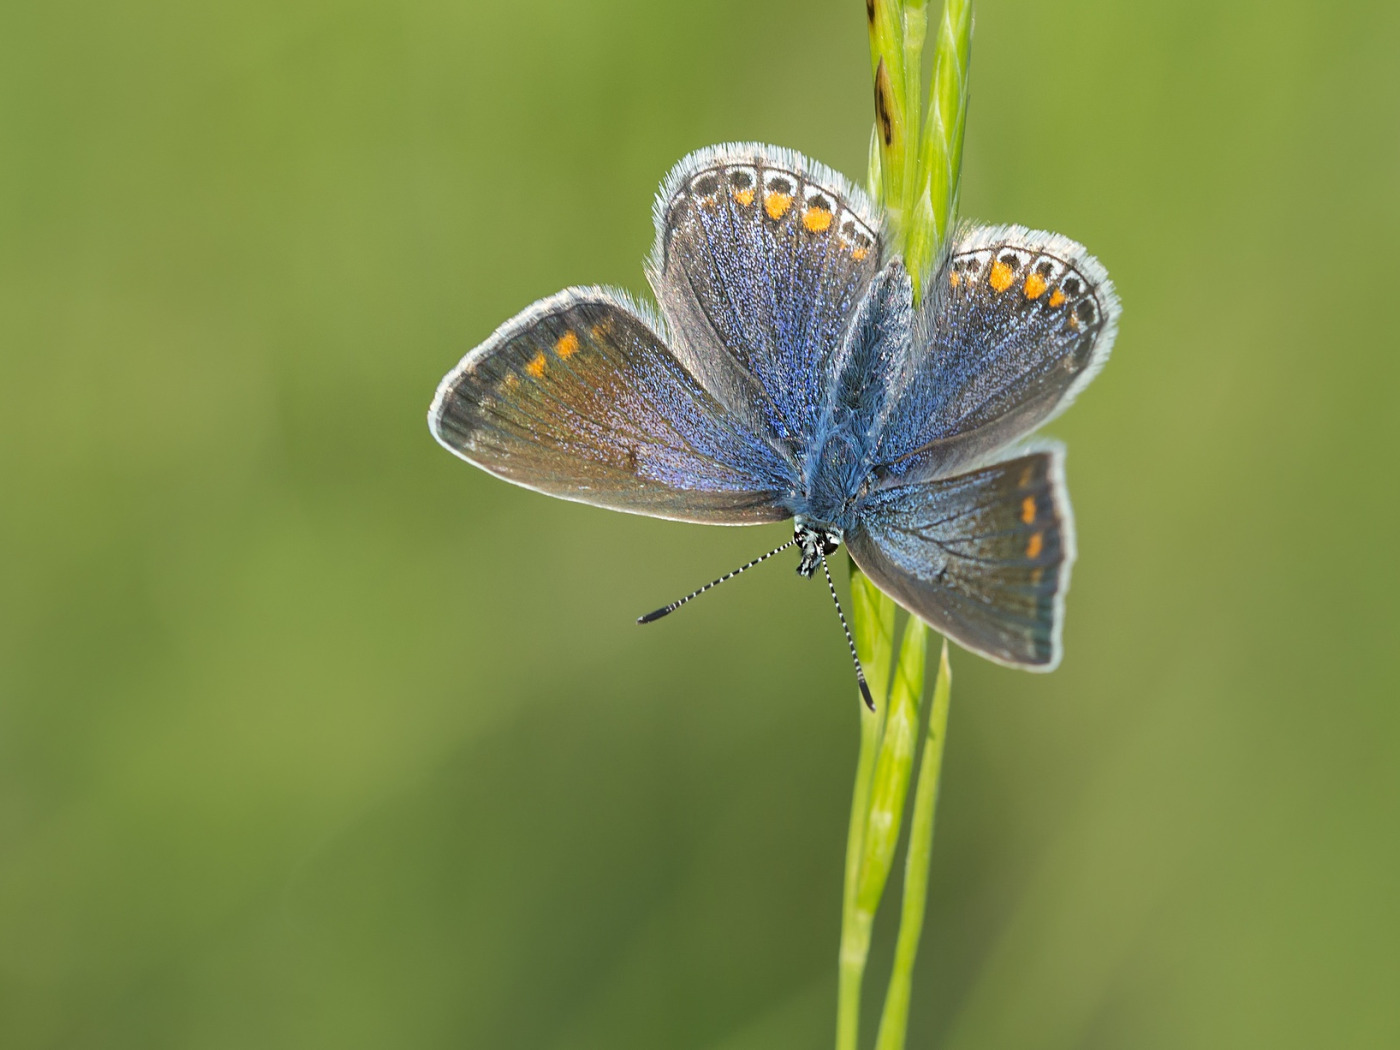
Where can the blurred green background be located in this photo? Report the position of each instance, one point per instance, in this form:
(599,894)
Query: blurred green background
(313,736)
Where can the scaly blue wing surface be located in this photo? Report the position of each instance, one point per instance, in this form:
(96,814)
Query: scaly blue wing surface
(1013,325)
(761,257)
(579,397)
(984,557)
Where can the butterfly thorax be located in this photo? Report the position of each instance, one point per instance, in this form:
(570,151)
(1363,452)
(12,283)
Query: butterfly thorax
(838,463)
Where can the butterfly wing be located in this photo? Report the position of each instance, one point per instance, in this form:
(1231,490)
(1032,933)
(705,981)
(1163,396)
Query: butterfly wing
(761,258)
(984,557)
(579,397)
(1013,325)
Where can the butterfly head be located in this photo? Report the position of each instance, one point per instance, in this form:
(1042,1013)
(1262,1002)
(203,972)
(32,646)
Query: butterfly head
(815,542)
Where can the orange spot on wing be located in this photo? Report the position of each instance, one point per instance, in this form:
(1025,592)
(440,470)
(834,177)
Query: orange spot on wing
(536,366)
(816,219)
(744,197)
(567,344)
(777,204)
(1000,277)
(1035,286)
(954,280)
(1057,298)
(1035,546)
(1074,322)
(859,252)
(1028,509)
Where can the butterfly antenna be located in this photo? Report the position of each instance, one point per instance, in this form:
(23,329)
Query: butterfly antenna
(860,671)
(665,609)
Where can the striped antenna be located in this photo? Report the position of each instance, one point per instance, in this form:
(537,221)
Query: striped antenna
(860,671)
(651,617)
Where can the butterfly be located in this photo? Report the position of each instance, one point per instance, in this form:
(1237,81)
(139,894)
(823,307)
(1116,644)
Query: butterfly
(789,375)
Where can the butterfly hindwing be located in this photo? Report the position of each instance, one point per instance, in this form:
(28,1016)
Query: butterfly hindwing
(1013,325)
(983,557)
(579,397)
(761,258)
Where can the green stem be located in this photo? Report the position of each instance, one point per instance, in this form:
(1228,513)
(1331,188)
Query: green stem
(915,160)
(872,618)
(914,25)
(892,770)
(935,196)
(886,791)
(892,128)
(894,1020)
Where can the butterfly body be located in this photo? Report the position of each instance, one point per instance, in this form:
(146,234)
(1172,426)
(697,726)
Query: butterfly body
(790,375)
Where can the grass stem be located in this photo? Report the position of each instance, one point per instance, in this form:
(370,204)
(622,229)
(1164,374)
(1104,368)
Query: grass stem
(872,620)
(915,160)
(894,1020)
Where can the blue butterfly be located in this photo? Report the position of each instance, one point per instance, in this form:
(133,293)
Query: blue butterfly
(788,375)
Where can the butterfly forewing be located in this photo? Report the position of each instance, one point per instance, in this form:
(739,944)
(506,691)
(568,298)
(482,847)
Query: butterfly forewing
(1014,324)
(761,258)
(984,557)
(579,397)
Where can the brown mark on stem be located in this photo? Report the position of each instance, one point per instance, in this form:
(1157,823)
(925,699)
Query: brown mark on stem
(882,103)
